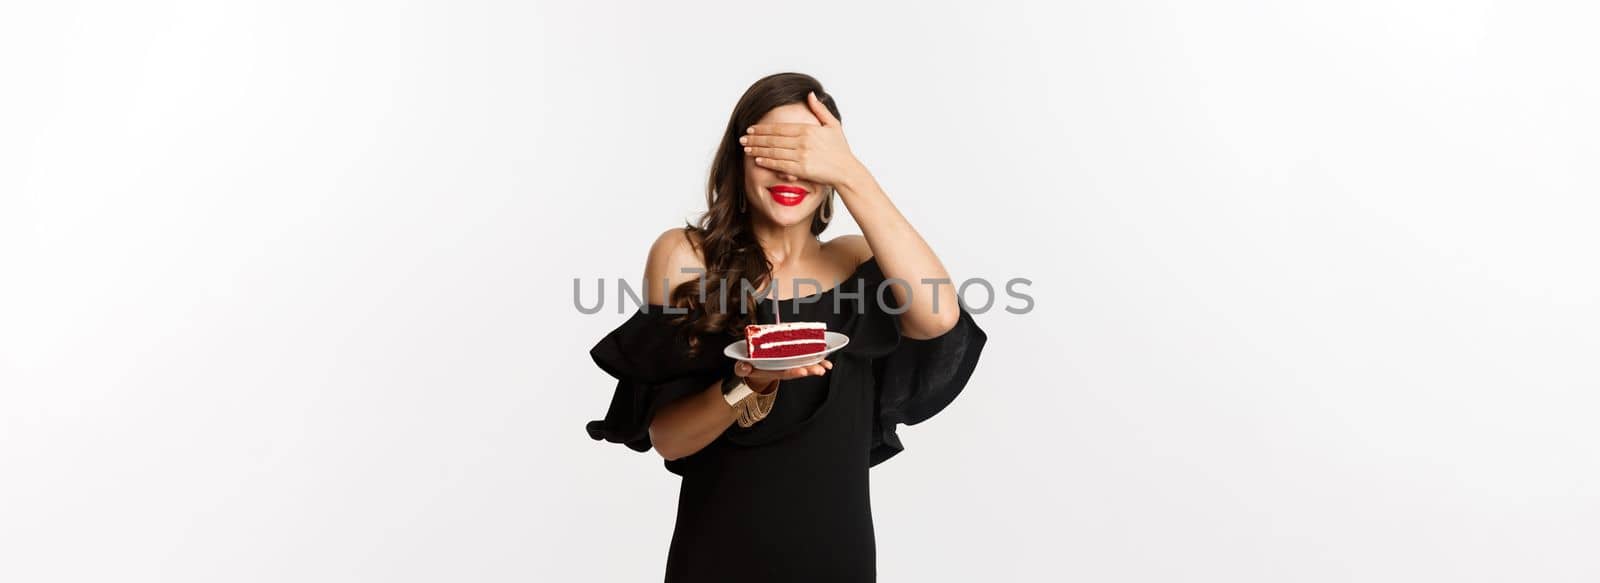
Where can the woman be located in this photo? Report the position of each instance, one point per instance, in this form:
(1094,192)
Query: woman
(774,482)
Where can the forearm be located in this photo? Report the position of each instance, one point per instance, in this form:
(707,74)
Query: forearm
(687,425)
(928,294)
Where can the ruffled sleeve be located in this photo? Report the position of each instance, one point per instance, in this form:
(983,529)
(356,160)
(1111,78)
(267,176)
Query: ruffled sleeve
(919,379)
(914,379)
(649,357)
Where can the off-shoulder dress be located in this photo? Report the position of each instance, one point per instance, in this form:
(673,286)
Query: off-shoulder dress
(787,499)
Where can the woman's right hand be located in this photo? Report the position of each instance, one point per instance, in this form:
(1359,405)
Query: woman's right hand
(766,381)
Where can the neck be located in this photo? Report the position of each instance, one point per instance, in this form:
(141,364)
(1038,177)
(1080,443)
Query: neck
(786,245)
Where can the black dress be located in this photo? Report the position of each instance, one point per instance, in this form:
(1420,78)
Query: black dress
(787,499)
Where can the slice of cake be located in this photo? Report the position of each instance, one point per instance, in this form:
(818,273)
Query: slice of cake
(786,339)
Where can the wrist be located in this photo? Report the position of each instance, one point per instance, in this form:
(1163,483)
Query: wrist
(738,393)
(736,388)
(731,382)
(854,181)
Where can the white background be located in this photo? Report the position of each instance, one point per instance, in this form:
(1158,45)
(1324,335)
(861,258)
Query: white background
(286,287)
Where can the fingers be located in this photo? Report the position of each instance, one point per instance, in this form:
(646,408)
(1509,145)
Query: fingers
(789,166)
(773,147)
(817,370)
(772,141)
(778,153)
(757,377)
(820,110)
(779,129)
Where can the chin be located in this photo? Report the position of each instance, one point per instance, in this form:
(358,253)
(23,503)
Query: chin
(790,216)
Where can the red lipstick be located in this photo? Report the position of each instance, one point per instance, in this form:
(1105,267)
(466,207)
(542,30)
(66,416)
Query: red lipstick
(787,194)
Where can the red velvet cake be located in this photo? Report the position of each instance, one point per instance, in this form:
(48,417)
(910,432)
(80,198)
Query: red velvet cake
(786,339)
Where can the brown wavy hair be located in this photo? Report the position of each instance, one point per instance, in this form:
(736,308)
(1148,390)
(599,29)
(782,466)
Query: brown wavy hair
(726,240)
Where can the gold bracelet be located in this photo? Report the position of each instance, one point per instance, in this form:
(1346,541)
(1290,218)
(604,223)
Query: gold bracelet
(764,401)
(755,407)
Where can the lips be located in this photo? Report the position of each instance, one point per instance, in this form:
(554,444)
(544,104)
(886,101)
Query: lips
(787,194)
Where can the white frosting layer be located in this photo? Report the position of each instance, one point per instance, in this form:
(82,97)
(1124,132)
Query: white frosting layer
(788,326)
(766,345)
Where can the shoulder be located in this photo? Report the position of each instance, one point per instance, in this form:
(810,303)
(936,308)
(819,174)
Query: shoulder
(851,248)
(678,245)
(673,252)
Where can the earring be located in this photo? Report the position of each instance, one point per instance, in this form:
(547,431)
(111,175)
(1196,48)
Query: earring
(827,207)
(741,203)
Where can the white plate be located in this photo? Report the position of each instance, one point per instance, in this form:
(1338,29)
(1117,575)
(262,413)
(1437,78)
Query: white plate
(741,351)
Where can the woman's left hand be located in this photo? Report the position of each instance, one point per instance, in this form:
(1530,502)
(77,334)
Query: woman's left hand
(816,153)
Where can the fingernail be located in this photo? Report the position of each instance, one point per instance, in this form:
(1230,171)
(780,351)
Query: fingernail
(744,139)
